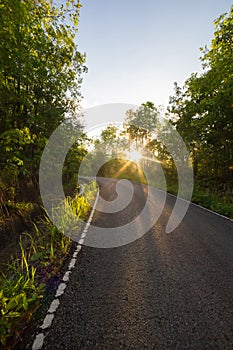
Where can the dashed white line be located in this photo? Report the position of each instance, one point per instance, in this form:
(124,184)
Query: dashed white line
(39,340)
(47,321)
(60,290)
(84,235)
(72,263)
(81,241)
(66,276)
(53,306)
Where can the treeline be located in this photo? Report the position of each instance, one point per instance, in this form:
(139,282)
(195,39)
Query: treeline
(40,77)
(203,107)
(201,112)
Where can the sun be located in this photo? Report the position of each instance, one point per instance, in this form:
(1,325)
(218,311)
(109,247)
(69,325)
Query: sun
(134,155)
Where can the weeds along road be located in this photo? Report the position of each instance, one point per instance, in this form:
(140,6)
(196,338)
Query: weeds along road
(163,291)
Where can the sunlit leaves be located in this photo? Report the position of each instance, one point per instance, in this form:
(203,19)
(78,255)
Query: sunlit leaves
(142,123)
(203,108)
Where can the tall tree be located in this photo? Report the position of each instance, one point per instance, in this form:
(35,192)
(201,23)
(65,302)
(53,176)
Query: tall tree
(40,76)
(142,123)
(203,108)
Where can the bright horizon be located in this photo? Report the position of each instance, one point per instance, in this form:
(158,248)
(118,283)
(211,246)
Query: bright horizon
(136,51)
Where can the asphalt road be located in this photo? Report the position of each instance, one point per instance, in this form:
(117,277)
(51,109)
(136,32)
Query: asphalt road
(163,291)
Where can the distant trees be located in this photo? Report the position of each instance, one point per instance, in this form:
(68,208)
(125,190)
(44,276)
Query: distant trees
(201,111)
(40,76)
(141,124)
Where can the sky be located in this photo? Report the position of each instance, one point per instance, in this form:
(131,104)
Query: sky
(136,50)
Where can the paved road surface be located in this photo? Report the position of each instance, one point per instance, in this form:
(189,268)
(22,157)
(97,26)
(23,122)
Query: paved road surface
(164,291)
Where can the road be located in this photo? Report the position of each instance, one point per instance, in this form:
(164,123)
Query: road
(163,291)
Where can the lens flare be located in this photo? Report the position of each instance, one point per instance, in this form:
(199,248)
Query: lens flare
(134,155)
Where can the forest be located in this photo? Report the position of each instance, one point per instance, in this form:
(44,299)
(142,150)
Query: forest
(41,72)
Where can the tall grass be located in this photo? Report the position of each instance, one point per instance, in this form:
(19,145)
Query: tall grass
(19,290)
(22,286)
(215,197)
(211,194)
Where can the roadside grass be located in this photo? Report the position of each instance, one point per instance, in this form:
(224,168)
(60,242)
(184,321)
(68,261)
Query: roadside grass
(19,293)
(209,194)
(10,208)
(218,198)
(23,284)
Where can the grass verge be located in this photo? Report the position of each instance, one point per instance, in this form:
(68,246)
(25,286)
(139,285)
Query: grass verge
(212,195)
(22,286)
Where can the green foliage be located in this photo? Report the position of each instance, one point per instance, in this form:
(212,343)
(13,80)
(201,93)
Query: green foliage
(111,142)
(209,193)
(8,182)
(109,134)
(89,193)
(71,165)
(66,213)
(40,77)
(215,196)
(142,123)
(203,109)
(18,293)
(23,285)
(13,144)
(39,64)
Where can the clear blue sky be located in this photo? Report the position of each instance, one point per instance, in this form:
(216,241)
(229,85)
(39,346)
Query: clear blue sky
(137,49)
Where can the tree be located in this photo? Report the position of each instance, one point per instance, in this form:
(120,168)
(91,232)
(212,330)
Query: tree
(203,108)
(141,124)
(40,76)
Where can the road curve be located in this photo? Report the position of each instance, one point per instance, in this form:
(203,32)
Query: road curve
(163,291)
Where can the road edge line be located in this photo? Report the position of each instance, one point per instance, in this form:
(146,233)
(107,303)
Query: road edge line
(199,206)
(47,321)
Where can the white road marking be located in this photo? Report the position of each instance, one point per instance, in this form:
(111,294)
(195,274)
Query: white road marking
(53,306)
(66,276)
(199,206)
(72,263)
(39,340)
(84,235)
(47,321)
(59,293)
(60,290)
